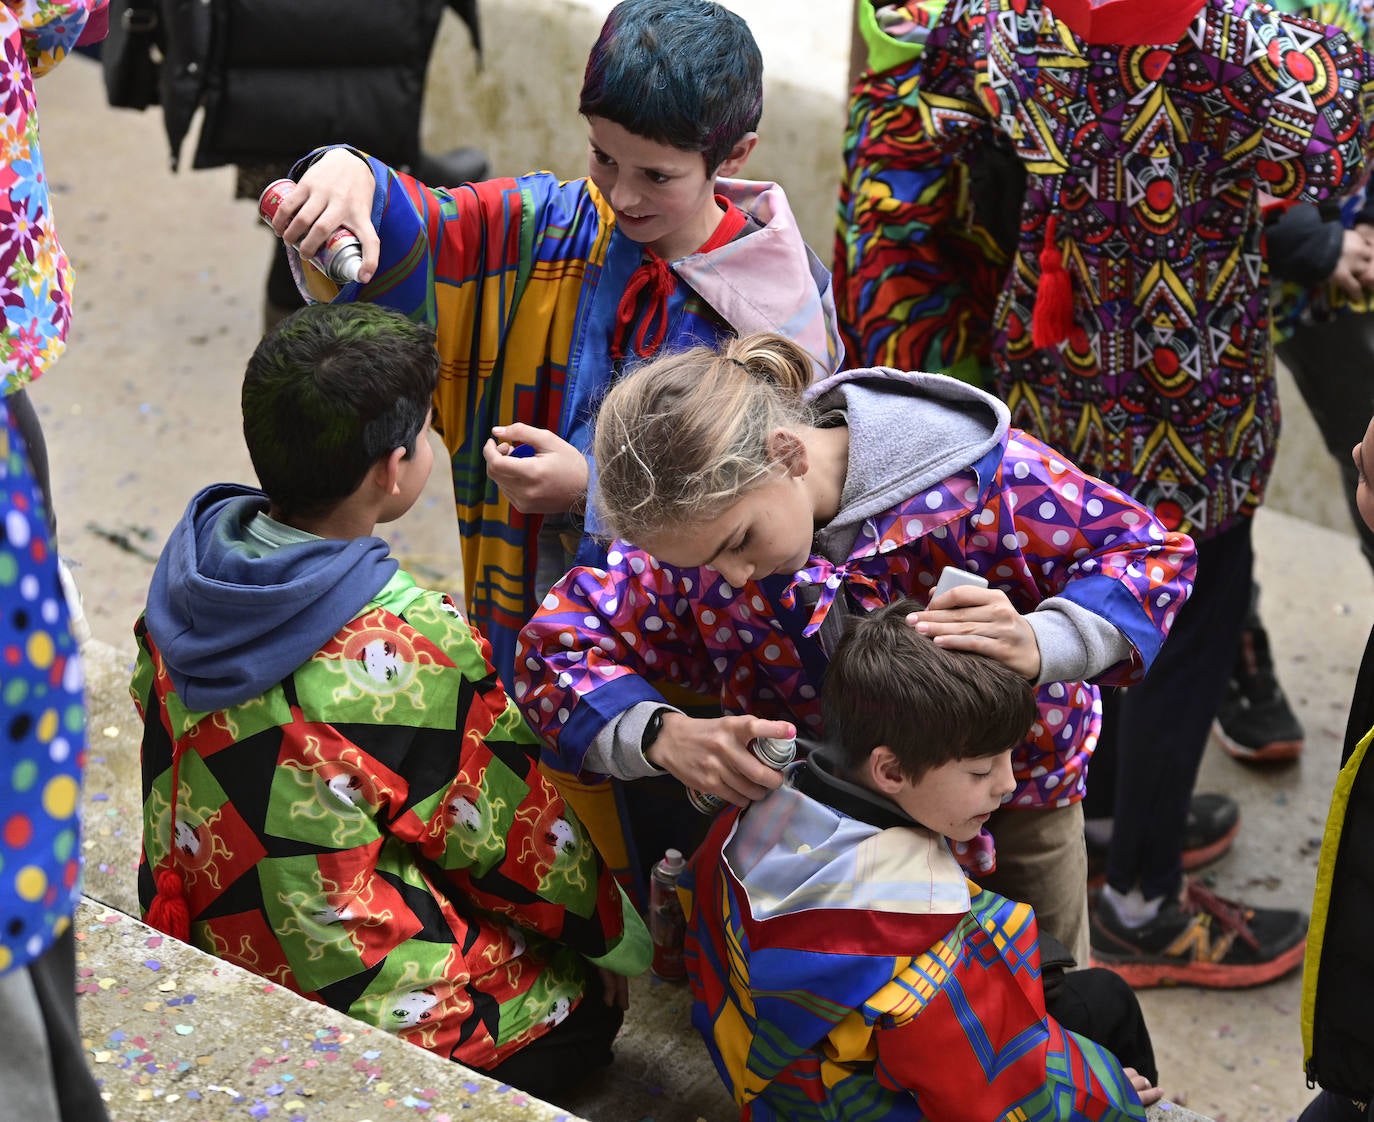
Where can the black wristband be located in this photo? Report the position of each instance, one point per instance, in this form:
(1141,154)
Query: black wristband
(652,728)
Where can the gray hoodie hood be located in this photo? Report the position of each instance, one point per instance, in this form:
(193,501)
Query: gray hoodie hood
(907,432)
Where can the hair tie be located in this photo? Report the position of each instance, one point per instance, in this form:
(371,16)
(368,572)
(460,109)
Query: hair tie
(764,375)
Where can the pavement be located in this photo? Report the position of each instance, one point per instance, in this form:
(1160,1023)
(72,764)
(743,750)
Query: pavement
(143,411)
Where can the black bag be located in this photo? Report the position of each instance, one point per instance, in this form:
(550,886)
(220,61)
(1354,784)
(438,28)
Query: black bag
(131,55)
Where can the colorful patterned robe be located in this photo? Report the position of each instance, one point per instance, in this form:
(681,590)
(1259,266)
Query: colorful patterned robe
(917,271)
(842,971)
(35,275)
(42,723)
(1151,159)
(522,279)
(605,640)
(374,833)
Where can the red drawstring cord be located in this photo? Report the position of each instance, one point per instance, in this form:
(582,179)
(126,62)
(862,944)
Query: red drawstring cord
(656,275)
(170,911)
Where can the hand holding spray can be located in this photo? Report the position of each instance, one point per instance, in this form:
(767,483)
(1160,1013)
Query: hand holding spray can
(777,754)
(340,258)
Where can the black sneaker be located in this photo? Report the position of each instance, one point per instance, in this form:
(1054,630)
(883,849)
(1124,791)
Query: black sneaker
(1199,939)
(1255,723)
(1213,823)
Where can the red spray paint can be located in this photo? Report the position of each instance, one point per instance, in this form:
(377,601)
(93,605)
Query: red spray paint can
(341,257)
(667,924)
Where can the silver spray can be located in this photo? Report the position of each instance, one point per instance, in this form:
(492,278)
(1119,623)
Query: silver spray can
(340,258)
(777,754)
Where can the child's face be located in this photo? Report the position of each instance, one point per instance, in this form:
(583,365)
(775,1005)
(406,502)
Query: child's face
(1364,462)
(956,798)
(767,531)
(661,195)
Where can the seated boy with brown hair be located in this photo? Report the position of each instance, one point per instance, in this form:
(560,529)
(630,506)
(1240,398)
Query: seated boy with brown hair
(842,965)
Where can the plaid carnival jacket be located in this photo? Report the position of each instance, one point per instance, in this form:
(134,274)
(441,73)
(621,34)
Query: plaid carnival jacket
(841,971)
(374,833)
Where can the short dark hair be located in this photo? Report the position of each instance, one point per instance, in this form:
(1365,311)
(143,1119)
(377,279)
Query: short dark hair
(686,73)
(328,392)
(890,685)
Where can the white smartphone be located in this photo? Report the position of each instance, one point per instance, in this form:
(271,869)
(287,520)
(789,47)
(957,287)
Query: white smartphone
(950,577)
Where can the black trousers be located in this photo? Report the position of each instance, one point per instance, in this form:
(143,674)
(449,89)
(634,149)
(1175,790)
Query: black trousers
(567,1054)
(1097,1004)
(1154,732)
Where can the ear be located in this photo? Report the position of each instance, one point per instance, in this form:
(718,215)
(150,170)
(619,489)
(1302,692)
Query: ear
(385,474)
(884,773)
(788,449)
(730,166)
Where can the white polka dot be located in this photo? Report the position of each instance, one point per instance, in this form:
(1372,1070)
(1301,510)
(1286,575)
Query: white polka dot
(1021,469)
(653,623)
(591,622)
(1054,716)
(1130,517)
(531,663)
(637,564)
(563,716)
(1070,491)
(708,617)
(28,587)
(1048,510)
(566,638)
(1162,599)
(1060,537)
(934,499)
(745,635)
(521,687)
(771,652)
(1093,507)
(59,750)
(1056,689)
(550,602)
(17,529)
(915,527)
(49,610)
(615,557)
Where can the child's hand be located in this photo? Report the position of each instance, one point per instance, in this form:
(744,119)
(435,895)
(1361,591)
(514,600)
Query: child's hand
(550,479)
(336,191)
(1366,278)
(615,988)
(1355,265)
(981,620)
(713,754)
(1148,1092)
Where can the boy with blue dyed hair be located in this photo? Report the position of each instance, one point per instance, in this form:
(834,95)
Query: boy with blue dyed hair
(543,293)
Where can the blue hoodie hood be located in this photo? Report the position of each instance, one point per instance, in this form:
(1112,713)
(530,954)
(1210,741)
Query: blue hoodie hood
(232,623)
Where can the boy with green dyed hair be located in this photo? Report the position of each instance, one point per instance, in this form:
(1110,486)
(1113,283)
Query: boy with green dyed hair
(337,793)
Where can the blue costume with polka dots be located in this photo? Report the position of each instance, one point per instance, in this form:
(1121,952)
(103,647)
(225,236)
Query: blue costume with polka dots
(42,723)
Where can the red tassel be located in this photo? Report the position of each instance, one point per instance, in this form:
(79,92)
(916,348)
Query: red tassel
(1052,318)
(170,912)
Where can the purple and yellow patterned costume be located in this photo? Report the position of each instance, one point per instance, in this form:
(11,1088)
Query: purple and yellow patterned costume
(1150,159)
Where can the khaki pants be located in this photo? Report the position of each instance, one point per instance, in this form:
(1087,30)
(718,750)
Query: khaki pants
(1042,861)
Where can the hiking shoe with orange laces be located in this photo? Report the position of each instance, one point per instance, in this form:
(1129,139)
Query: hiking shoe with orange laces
(1199,939)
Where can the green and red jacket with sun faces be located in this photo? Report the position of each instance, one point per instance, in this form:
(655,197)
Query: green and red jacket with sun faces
(375,834)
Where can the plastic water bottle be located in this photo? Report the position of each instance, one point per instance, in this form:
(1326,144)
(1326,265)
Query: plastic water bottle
(777,754)
(667,924)
(340,258)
